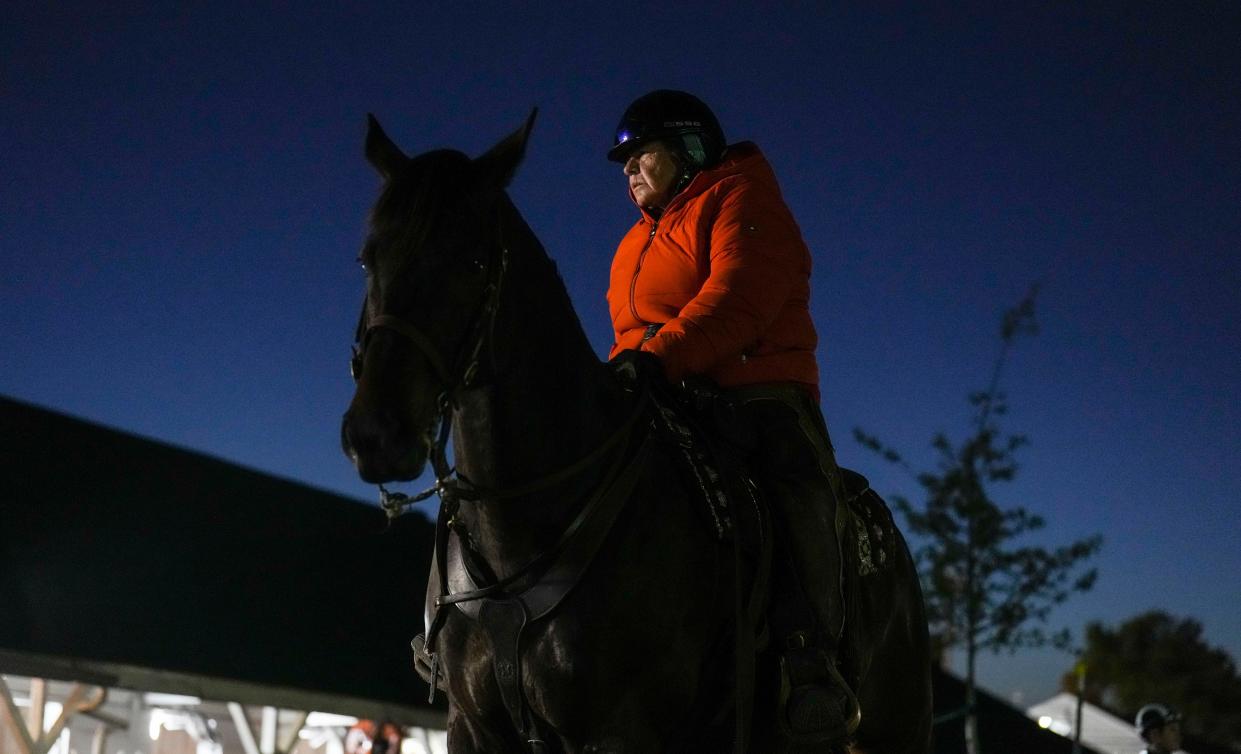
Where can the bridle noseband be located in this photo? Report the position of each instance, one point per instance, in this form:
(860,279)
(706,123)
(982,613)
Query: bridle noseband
(424,344)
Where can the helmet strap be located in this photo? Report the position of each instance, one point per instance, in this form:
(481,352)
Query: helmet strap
(683,180)
(690,166)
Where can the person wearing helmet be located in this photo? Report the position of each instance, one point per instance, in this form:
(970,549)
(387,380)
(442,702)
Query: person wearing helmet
(713,281)
(1160,727)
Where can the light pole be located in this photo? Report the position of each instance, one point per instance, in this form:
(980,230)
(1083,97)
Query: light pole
(1080,669)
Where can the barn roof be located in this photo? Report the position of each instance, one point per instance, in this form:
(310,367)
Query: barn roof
(136,564)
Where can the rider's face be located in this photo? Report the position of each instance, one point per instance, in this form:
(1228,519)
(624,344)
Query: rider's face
(652,171)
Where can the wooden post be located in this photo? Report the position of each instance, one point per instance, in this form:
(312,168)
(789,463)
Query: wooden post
(72,705)
(267,730)
(100,737)
(243,727)
(38,701)
(13,717)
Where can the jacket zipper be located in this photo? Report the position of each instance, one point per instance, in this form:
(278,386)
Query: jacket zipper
(633,283)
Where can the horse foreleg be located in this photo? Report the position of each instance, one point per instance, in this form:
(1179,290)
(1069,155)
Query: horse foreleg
(467,736)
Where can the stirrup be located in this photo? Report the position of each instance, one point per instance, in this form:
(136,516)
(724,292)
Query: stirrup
(825,676)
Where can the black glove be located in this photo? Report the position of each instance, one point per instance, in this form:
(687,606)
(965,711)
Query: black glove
(634,368)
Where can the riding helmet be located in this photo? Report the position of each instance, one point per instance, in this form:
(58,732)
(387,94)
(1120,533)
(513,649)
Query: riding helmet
(1154,716)
(674,115)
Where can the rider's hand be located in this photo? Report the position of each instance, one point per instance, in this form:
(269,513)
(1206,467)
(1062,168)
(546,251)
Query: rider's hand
(633,368)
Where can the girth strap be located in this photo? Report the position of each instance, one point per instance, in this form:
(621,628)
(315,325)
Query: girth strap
(504,621)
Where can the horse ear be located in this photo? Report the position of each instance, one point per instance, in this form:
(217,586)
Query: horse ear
(497,168)
(385,156)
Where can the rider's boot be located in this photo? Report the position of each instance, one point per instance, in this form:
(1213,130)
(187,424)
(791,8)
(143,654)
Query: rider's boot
(817,703)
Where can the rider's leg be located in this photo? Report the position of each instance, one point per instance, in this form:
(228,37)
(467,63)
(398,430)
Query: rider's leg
(798,471)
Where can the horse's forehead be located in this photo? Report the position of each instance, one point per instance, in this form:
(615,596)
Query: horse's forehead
(441,171)
(440,161)
(427,184)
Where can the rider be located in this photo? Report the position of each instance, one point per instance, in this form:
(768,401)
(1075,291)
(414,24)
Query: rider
(1160,727)
(714,281)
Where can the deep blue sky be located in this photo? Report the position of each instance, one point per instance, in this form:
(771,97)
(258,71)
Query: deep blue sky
(183,196)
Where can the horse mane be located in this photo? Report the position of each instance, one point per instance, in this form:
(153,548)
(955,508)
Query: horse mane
(530,252)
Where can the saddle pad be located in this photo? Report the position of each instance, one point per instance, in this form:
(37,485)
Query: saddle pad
(868,525)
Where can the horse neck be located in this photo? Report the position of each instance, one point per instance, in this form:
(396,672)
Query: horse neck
(547,403)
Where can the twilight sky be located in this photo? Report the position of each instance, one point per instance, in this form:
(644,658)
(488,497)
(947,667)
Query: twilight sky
(183,196)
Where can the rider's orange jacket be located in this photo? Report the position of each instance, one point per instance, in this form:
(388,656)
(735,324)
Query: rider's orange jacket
(727,274)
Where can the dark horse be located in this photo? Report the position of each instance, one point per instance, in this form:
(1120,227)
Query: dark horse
(467,321)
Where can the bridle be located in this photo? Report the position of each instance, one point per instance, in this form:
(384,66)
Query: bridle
(461,376)
(464,374)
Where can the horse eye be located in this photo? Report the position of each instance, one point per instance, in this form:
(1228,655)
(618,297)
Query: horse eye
(367,254)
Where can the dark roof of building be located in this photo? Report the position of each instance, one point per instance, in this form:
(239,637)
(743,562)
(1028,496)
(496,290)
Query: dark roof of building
(125,557)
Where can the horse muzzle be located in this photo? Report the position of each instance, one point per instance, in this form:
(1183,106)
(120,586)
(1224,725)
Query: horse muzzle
(382,447)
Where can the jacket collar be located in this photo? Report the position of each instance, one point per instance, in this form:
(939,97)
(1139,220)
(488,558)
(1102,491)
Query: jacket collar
(742,158)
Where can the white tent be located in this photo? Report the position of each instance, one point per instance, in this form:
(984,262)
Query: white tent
(1101,731)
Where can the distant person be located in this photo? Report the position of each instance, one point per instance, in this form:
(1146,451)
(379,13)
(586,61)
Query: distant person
(1160,727)
(713,281)
(369,737)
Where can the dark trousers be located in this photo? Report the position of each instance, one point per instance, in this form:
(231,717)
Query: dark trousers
(782,431)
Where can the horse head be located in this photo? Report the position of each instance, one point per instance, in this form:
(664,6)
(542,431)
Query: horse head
(434,258)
